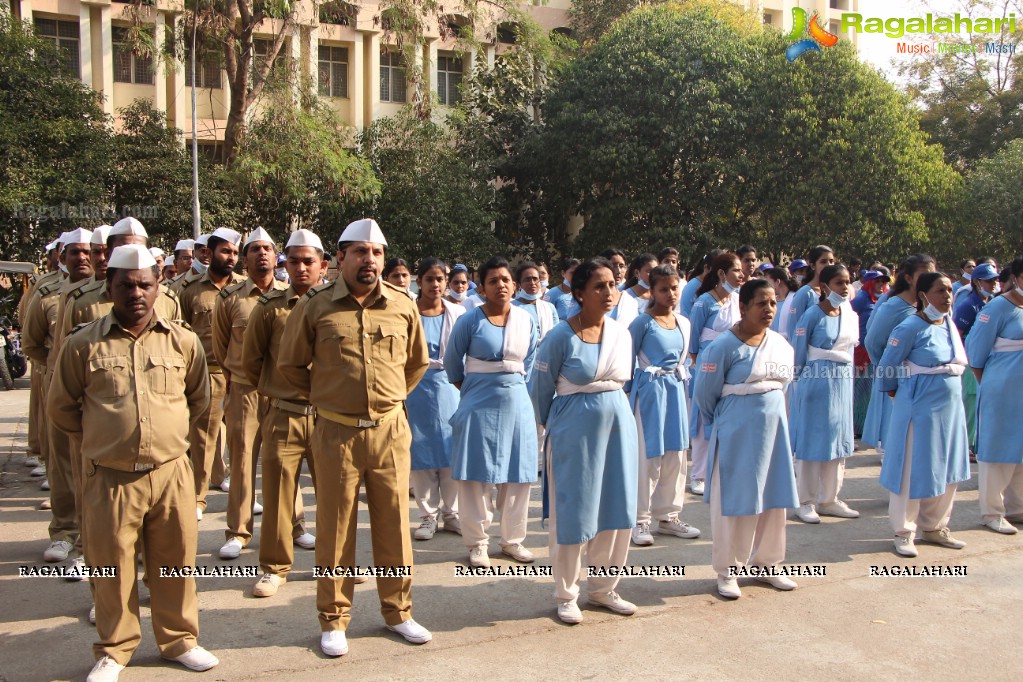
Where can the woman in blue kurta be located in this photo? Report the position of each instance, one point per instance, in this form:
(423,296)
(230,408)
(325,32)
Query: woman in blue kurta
(808,295)
(822,422)
(926,452)
(888,313)
(995,350)
(695,281)
(715,311)
(561,296)
(739,390)
(430,406)
(638,283)
(660,339)
(982,288)
(591,443)
(493,438)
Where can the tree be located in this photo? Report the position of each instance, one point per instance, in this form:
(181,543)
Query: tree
(972,102)
(295,168)
(55,146)
(994,205)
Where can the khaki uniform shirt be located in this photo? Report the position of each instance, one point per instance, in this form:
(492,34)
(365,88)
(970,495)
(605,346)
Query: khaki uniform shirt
(234,305)
(129,400)
(92,302)
(359,360)
(33,285)
(40,323)
(262,346)
(198,300)
(67,292)
(181,280)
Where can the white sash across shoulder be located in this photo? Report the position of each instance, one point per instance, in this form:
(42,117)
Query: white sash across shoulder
(614,363)
(848,337)
(680,370)
(957,367)
(728,315)
(772,368)
(516,345)
(452,312)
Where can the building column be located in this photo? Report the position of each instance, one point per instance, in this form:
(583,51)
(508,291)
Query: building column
(85,45)
(418,65)
(491,56)
(24,11)
(179,106)
(313,59)
(159,70)
(105,54)
(371,74)
(294,47)
(430,68)
(357,83)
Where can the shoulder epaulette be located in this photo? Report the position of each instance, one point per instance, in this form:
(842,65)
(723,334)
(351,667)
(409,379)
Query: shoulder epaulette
(182,323)
(224,293)
(186,282)
(395,289)
(50,288)
(271,295)
(79,327)
(80,291)
(169,293)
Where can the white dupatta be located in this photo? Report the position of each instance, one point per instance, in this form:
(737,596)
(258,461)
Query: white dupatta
(614,363)
(773,365)
(513,352)
(452,312)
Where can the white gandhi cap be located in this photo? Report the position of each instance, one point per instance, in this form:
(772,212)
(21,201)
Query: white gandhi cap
(228,235)
(100,234)
(365,230)
(184,245)
(304,237)
(258,235)
(130,226)
(78,236)
(203,240)
(157,252)
(131,257)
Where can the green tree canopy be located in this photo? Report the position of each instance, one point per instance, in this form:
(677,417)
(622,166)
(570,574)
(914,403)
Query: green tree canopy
(994,205)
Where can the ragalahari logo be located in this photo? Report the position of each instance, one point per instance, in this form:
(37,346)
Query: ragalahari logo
(801,26)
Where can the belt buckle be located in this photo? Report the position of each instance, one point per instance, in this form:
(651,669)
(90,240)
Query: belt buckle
(144,467)
(309,409)
(367,423)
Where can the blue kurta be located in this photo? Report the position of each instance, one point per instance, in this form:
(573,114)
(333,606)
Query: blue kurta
(688,297)
(931,403)
(493,436)
(883,321)
(592,438)
(806,297)
(430,407)
(749,438)
(704,314)
(999,426)
(822,419)
(661,399)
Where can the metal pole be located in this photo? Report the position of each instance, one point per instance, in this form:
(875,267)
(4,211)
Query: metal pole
(196,217)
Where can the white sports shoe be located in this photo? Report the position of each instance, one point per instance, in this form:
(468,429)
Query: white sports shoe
(105,670)
(231,549)
(197,659)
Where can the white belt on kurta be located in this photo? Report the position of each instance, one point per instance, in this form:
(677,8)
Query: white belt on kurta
(708,334)
(1004,345)
(477,366)
(566,387)
(752,388)
(953,368)
(833,354)
(436,364)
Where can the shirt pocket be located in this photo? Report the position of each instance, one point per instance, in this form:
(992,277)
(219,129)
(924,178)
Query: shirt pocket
(390,342)
(334,342)
(109,377)
(166,375)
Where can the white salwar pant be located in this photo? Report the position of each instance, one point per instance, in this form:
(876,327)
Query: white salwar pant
(476,513)
(819,482)
(754,540)
(699,446)
(662,482)
(608,548)
(435,493)
(1001,490)
(929,513)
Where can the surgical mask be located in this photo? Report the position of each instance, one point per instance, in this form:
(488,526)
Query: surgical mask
(798,278)
(281,274)
(457,297)
(643,285)
(967,276)
(729,289)
(528,297)
(933,313)
(985,294)
(199,267)
(63,268)
(545,283)
(835,299)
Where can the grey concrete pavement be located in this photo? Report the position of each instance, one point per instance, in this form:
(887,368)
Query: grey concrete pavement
(843,625)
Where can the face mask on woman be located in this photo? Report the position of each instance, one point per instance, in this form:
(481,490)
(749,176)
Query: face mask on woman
(528,297)
(933,313)
(835,299)
(729,289)
(457,297)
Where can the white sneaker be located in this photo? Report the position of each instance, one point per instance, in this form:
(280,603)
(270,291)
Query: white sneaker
(225,485)
(806,514)
(678,528)
(905,546)
(334,643)
(57,551)
(426,529)
(519,553)
(778,582)
(198,513)
(44,484)
(611,600)
(452,525)
(40,470)
(837,508)
(257,508)
(696,486)
(642,536)
(77,569)
(45,504)
(1000,525)
(412,631)
(306,541)
(231,549)
(268,585)
(197,659)
(92,615)
(32,461)
(729,588)
(568,612)
(478,557)
(105,670)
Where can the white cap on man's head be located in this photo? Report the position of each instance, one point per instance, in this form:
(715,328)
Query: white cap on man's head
(228,235)
(131,257)
(304,237)
(157,252)
(365,230)
(78,236)
(100,234)
(203,241)
(258,235)
(130,226)
(184,245)
(54,244)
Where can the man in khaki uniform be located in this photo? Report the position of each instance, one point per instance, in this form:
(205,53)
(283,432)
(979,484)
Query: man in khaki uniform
(288,425)
(198,300)
(126,387)
(182,259)
(40,338)
(243,406)
(357,348)
(198,263)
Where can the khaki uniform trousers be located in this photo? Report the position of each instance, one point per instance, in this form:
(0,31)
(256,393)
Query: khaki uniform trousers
(157,507)
(36,413)
(202,439)
(60,474)
(287,440)
(753,540)
(243,409)
(345,457)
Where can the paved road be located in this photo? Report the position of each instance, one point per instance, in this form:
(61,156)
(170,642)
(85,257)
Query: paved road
(844,625)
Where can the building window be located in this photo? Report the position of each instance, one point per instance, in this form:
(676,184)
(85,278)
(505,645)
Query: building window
(835,27)
(65,36)
(130,67)
(392,78)
(333,71)
(207,70)
(768,19)
(261,49)
(449,78)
